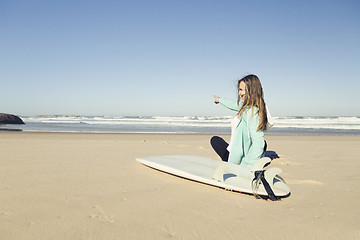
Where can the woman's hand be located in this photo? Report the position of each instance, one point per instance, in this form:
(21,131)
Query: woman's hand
(216,99)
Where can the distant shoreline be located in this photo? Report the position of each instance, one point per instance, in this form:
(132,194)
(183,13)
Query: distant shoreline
(337,126)
(271,133)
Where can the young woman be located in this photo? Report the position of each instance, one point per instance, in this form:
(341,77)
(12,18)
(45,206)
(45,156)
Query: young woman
(247,143)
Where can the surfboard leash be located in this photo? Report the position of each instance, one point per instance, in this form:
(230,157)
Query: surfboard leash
(258,179)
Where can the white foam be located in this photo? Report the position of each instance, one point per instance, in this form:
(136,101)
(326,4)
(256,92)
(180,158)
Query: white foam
(340,123)
(345,123)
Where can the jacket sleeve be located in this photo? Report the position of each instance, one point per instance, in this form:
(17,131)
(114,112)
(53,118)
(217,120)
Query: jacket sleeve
(230,104)
(256,150)
(236,154)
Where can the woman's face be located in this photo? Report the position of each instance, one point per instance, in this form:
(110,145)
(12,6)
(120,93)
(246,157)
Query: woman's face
(242,91)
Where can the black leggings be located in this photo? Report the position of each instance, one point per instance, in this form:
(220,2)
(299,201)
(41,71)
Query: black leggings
(219,145)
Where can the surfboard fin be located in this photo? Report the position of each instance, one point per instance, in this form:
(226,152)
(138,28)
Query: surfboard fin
(226,167)
(219,172)
(260,164)
(266,177)
(270,175)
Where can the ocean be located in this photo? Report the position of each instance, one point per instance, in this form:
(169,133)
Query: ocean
(182,125)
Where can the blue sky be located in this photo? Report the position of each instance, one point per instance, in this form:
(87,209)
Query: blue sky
(170,57)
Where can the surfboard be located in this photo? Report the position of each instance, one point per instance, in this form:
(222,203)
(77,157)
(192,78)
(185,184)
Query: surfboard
(220,174)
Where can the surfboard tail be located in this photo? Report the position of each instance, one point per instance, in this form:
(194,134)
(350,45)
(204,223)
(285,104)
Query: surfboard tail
(273,184)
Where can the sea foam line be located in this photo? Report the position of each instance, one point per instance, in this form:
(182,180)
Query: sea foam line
(341,123)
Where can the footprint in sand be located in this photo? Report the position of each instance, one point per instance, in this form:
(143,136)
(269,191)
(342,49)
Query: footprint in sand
(7,212)
(287,162)
(167,232)
(181,145)
(100,215)
(306,181)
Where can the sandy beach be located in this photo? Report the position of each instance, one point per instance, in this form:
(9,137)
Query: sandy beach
(89,186)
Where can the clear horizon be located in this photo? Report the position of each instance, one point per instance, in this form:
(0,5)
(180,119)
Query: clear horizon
(162,58)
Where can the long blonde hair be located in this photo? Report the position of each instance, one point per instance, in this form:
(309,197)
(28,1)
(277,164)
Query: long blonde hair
(255,98)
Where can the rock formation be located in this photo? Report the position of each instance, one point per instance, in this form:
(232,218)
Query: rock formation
(10,119)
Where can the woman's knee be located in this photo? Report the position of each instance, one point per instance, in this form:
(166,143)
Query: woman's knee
(215,140)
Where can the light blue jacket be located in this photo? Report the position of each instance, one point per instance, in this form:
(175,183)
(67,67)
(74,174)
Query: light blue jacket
(248,143)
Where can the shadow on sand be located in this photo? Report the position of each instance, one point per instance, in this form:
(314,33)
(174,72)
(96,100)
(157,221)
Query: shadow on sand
(10,130)
(271,154)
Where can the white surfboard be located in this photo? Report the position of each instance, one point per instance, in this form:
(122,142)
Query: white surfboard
(218,173)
